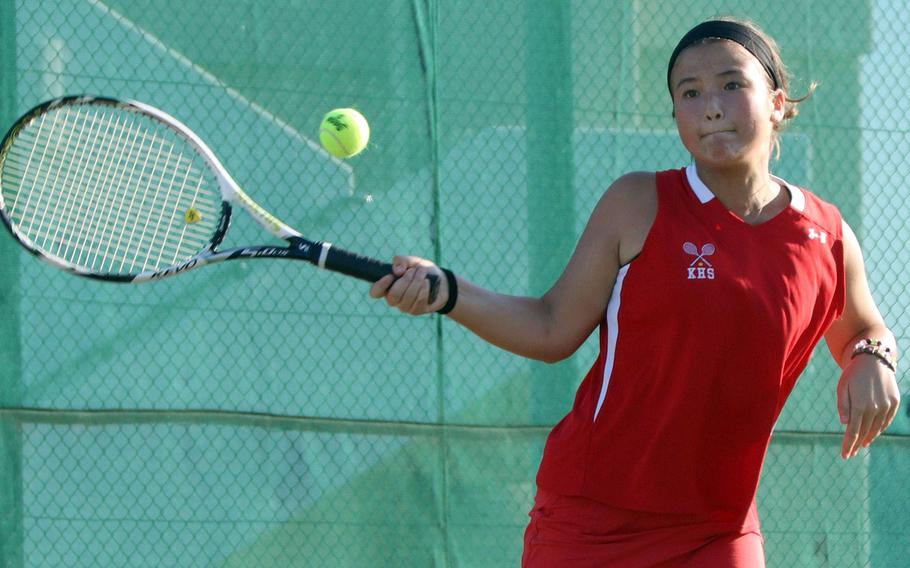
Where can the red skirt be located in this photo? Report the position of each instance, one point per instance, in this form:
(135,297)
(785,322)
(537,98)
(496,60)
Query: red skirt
(574,531)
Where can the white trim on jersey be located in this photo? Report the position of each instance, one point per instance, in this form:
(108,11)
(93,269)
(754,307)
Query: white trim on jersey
(704,194)
(612,318)
(701,190)
(797,197)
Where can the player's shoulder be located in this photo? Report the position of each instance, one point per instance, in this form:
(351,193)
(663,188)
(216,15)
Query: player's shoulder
(818,210)
(633,191)
(628,209)
(635,182)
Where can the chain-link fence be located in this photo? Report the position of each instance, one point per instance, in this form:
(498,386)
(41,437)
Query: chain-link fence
(267,414)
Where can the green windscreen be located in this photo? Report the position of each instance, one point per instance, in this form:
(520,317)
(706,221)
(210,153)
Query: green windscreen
(264,413)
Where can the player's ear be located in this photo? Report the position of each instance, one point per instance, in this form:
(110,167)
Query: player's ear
(778,101)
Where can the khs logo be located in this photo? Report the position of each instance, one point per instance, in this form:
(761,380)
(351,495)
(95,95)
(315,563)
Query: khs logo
(700,268)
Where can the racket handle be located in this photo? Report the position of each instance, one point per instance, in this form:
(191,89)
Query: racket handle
(364,267)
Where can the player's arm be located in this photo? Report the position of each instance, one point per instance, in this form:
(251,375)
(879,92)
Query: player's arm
(867,393)
(552,327)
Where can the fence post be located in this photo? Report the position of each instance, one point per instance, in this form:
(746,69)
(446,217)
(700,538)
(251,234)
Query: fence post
(11,529)
(551,192)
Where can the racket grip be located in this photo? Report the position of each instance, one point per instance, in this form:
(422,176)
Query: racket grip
(366,268)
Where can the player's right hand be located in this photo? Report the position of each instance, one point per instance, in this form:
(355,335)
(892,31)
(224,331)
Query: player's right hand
(408,289)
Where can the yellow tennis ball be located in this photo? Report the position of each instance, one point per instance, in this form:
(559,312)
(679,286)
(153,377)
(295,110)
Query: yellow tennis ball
(344,132)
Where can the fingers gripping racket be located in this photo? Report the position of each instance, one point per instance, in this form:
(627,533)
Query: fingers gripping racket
(121,191)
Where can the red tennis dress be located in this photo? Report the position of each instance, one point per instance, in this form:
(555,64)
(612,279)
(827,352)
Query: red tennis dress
(703,339)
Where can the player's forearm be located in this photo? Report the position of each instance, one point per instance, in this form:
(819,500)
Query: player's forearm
(525,326)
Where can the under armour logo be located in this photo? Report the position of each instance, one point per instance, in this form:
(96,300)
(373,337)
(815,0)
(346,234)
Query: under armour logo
(821,236)
(700,268)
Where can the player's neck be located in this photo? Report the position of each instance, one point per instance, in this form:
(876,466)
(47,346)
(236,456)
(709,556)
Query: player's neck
(750,193)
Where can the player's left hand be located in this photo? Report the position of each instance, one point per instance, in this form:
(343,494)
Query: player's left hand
(867,402)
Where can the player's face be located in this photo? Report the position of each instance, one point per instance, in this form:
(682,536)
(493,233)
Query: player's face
(725,110)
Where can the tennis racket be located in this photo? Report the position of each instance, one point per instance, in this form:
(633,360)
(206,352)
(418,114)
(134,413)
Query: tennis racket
(706,250)
(121,191)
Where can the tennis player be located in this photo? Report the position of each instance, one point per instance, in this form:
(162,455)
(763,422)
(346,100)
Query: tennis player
(711,286)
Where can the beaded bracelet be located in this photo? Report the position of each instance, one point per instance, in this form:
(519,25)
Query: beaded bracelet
(877,349)
(453,292)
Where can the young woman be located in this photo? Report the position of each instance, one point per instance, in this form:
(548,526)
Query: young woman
(711,285)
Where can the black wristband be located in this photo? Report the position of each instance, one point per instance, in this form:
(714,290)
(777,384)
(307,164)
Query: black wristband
(453,292)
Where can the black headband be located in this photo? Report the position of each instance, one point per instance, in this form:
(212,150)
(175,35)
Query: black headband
(732,31)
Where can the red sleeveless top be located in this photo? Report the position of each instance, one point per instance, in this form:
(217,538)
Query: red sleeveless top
(703,339)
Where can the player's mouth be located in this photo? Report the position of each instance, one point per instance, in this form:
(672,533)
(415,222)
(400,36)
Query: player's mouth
(714,132)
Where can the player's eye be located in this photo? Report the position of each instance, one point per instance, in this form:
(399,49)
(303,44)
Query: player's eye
(733,86)
(689,94)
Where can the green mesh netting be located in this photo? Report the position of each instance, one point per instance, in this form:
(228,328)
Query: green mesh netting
(267,414)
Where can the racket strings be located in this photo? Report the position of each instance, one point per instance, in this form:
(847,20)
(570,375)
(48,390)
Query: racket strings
(106,174)
(76,206)
(64,167)
(109,190)
(82,213)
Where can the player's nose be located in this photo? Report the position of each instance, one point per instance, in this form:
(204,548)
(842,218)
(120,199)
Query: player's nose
(713,108)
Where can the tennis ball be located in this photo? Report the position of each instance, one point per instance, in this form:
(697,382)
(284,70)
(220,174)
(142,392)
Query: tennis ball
(344,132)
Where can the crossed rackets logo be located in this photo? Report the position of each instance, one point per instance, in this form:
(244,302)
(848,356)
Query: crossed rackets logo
(700,268)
